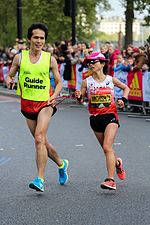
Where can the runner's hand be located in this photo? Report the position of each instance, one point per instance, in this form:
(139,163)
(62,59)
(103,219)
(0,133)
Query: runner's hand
(51,102)
(9,82)
(78,96)
(77,93)
(120,103)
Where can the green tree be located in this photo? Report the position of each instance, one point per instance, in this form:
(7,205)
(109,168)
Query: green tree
(51,13)
(131,6)
(143,6)
(86,18)
(7,22)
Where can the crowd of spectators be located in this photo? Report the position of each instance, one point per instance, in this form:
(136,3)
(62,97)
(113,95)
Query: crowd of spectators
(132,58)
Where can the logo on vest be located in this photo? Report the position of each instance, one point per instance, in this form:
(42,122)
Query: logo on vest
(26,72)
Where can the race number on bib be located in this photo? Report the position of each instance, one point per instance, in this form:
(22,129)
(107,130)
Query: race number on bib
(100,99)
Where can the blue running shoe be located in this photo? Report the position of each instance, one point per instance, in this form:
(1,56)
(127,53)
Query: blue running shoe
(63,176)
(37,184)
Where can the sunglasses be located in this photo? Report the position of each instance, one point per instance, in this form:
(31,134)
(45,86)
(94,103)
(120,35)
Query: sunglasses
(93,61)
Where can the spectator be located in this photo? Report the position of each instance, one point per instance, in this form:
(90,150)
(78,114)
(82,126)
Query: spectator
(140,58)
(121,64)
(113,53)
(129,50)
(105,50)
(1,71)
(5,70)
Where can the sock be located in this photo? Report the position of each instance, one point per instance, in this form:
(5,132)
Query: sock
(62,166)
(41,179)
(110,179)
(118,164)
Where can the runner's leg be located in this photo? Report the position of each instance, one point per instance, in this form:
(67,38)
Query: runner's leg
(109,136)
(52,154)
(106,140)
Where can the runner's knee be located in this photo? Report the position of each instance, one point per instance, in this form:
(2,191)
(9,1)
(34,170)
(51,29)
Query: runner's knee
(39,137)
(107,148)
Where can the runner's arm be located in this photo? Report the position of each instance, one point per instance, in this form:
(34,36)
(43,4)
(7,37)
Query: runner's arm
(57,78)
(80,94)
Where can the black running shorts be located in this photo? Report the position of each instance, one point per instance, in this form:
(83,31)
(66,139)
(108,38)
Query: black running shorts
(99,123)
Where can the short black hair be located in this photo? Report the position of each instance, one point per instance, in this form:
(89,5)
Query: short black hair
(37,25)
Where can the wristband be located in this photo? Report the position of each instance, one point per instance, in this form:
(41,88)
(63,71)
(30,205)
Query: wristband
(79,99)
(123,99)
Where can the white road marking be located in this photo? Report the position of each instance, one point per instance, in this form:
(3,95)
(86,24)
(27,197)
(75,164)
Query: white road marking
(4,160)
(2,149)
(117,143)
(79,145)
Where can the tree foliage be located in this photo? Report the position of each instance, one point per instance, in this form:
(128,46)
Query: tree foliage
(132,6)
(143,6)
(7,21)
(51,13)
(60,26)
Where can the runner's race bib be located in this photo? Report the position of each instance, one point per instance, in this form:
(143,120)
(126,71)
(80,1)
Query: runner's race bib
(100,99)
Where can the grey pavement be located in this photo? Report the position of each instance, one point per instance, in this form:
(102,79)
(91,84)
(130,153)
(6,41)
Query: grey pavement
(81,201)
(73,103)
(7,92)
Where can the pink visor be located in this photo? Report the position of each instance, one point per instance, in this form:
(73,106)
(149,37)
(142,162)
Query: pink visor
(97,55)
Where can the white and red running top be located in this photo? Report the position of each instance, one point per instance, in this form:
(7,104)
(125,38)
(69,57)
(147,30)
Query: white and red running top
(101,96)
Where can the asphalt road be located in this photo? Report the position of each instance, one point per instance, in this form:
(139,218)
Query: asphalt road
(81,201)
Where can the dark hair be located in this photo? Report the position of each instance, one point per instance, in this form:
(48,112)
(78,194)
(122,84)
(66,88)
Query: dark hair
(37,25)
(105,69)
